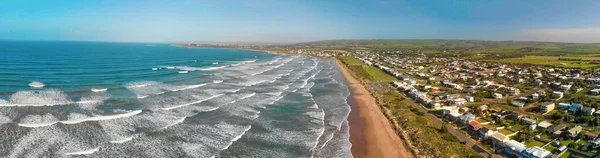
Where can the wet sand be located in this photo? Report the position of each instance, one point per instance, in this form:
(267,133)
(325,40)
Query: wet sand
(371,134)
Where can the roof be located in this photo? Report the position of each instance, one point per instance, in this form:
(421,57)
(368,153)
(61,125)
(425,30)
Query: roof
(544,124)
(515,146)
(499,136)
(591,134)
(575,130)
(538,151)
(574,106)
(474,124)
(557,127)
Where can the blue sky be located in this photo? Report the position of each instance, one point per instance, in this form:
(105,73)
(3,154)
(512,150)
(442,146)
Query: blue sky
(299,20)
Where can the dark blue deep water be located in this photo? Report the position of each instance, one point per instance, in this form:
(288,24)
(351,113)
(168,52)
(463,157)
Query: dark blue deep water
(93,99)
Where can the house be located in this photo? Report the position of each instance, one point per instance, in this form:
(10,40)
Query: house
(523,99)
(594,92)
(535,96)
(435,104)
(557,94)
(466,118)
(536,152)
(546,107)
(517,104)
(483,107)
(469,99)
(564,106)
(573,132)
(574,107)
(474,125)
(587,111)
(515,148)
(499,139)
(486,133)
(459,101)
(528,121)
(544,124)
(513,91)
(497,96)
(565,87)
(556,130)
(538,82)
(590,135)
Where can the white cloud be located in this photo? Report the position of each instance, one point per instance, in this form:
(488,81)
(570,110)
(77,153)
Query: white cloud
(575,35)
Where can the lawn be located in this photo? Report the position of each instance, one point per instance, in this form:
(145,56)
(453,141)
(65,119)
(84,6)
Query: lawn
(546,60)
(351,61)
(379,75)
(505,131)
(550,148)
(368,73)
(534,143)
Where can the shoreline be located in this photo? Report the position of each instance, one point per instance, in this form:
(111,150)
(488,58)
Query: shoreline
(371,134)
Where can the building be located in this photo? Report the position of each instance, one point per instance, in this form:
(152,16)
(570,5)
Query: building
(574,107)
(544,124)
(556,130)
(528,121)
(564,106)
(587,111)
(573,132)
(557,95)
(547,107)
(536,152)
(497,95)
(474,125)
(486,133)
(515,148)
(466,118)
(469,99)
(499,139)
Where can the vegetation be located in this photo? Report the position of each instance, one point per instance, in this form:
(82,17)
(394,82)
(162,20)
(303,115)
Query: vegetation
(423,132)
(367,73)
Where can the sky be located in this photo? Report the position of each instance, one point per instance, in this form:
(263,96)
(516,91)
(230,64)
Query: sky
(289,21)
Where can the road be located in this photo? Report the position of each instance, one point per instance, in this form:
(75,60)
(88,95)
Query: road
(470,142)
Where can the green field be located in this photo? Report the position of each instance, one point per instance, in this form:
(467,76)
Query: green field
(547,60)
(367,73)
(534,143)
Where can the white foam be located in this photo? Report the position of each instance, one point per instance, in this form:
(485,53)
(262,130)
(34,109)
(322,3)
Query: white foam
(183,72)
(170,67)
(191,103)
(100,118)
(237,137)
(154,68)
(215,63)
(37,98)
(98,89)
(175,123)
(142,97)
(121,140)
(74,119)
(217,81)
(85,152)
(36,84)
(189,87)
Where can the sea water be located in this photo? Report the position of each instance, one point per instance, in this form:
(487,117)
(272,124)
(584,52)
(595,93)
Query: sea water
(93,99)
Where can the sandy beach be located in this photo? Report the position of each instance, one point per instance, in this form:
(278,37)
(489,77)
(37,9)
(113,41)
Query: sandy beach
(371,134)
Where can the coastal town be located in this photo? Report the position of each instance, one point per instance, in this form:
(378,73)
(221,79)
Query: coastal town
(498,109)
(510,110)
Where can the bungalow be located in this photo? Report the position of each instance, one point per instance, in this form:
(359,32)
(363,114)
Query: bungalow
(528,121)
(497,96)
(486,133)
(469,99)
(564,106)
(513,91)
(565,87)
(557,94)
(594,92)
(573,132)
(538,82)
(466,118)
(535,96)
(435,104)
(483,107)
(587,111)
(556,130)
(574,107)
(517,104)
(590,135)
(523,99)
(515,148)
(474,125)
(544,124)
(536,152)
(546,107)
(499,139)
(459,101)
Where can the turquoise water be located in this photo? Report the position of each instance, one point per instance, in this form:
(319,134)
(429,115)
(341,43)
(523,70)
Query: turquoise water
(91,99)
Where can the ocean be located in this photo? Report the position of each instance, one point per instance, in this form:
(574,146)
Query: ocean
(95,99)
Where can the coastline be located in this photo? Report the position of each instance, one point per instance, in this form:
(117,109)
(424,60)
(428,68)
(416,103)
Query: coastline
(371,134)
